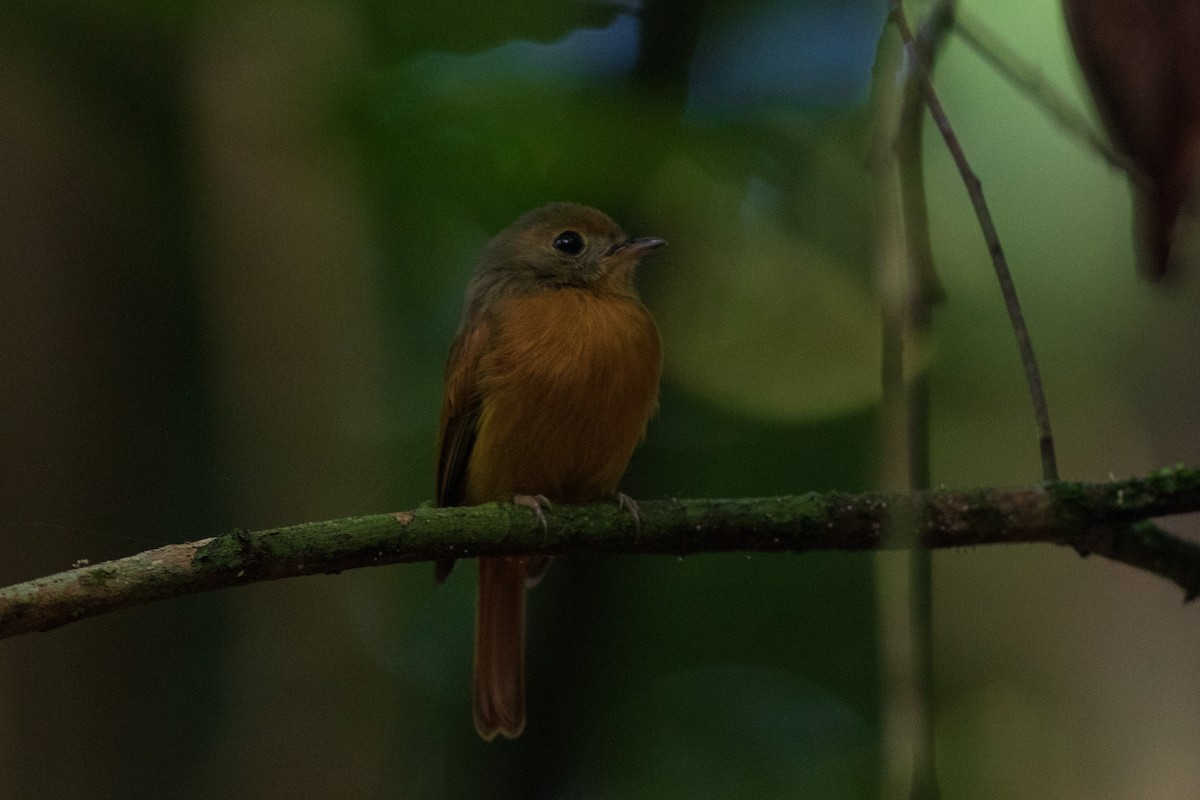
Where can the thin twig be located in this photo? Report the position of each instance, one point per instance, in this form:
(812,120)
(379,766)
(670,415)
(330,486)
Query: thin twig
(1107,519)
(1032,82)
(987,225)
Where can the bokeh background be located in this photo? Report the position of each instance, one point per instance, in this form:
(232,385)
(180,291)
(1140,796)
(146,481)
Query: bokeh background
(233,243)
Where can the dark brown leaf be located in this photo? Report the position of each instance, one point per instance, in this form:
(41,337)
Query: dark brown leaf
(1141,59)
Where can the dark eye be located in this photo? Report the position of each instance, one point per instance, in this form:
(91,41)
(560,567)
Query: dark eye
(569,242)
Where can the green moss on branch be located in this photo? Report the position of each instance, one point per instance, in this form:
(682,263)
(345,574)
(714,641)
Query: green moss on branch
(1109,519)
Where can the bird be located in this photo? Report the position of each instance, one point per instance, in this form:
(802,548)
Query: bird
(550,382)
(1141,61)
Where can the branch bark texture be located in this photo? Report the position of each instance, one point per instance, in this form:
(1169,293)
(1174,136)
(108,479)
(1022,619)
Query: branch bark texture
(1108,519)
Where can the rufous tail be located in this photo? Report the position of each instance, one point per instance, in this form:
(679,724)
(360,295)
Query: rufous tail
(498,691)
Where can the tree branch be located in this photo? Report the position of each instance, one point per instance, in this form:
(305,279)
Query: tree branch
(1108,519)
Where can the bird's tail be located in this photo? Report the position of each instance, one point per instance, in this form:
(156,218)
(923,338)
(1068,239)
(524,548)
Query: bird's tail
(498,692)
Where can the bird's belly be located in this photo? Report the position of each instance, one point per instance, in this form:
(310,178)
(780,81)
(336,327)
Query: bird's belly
(564,408)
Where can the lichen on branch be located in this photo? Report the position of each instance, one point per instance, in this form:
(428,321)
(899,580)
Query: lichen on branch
(1109,519)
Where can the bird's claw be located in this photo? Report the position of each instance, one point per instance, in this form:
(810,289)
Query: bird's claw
(537,503)
(535,566)
(627,503)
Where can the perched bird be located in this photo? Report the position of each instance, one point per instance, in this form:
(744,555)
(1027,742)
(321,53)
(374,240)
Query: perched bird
(549,385)
(1141,59)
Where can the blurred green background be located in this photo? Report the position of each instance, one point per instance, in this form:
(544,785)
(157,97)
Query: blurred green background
(233,243)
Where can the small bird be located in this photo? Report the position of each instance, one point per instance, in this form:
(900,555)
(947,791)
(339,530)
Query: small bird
(1141,60)
(549,385)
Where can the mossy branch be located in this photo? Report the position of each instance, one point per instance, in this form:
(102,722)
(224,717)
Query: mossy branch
(1108,519)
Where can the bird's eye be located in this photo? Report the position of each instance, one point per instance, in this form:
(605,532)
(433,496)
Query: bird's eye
(569,242)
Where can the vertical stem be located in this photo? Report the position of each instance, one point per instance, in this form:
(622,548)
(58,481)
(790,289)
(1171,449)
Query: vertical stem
(905,280)
(920,602)
(909,290)
(927,292)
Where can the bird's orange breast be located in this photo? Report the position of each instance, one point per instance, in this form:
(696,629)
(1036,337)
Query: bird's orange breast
(567,384)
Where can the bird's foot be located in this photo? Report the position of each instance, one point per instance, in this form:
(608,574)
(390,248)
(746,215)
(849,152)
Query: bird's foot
(627,503)
(535,566)
(537,503)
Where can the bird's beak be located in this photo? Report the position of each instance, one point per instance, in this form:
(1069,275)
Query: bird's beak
(639,247)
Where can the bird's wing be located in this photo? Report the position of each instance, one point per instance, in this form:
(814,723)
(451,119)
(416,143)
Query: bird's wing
(460,413)
(459,425)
